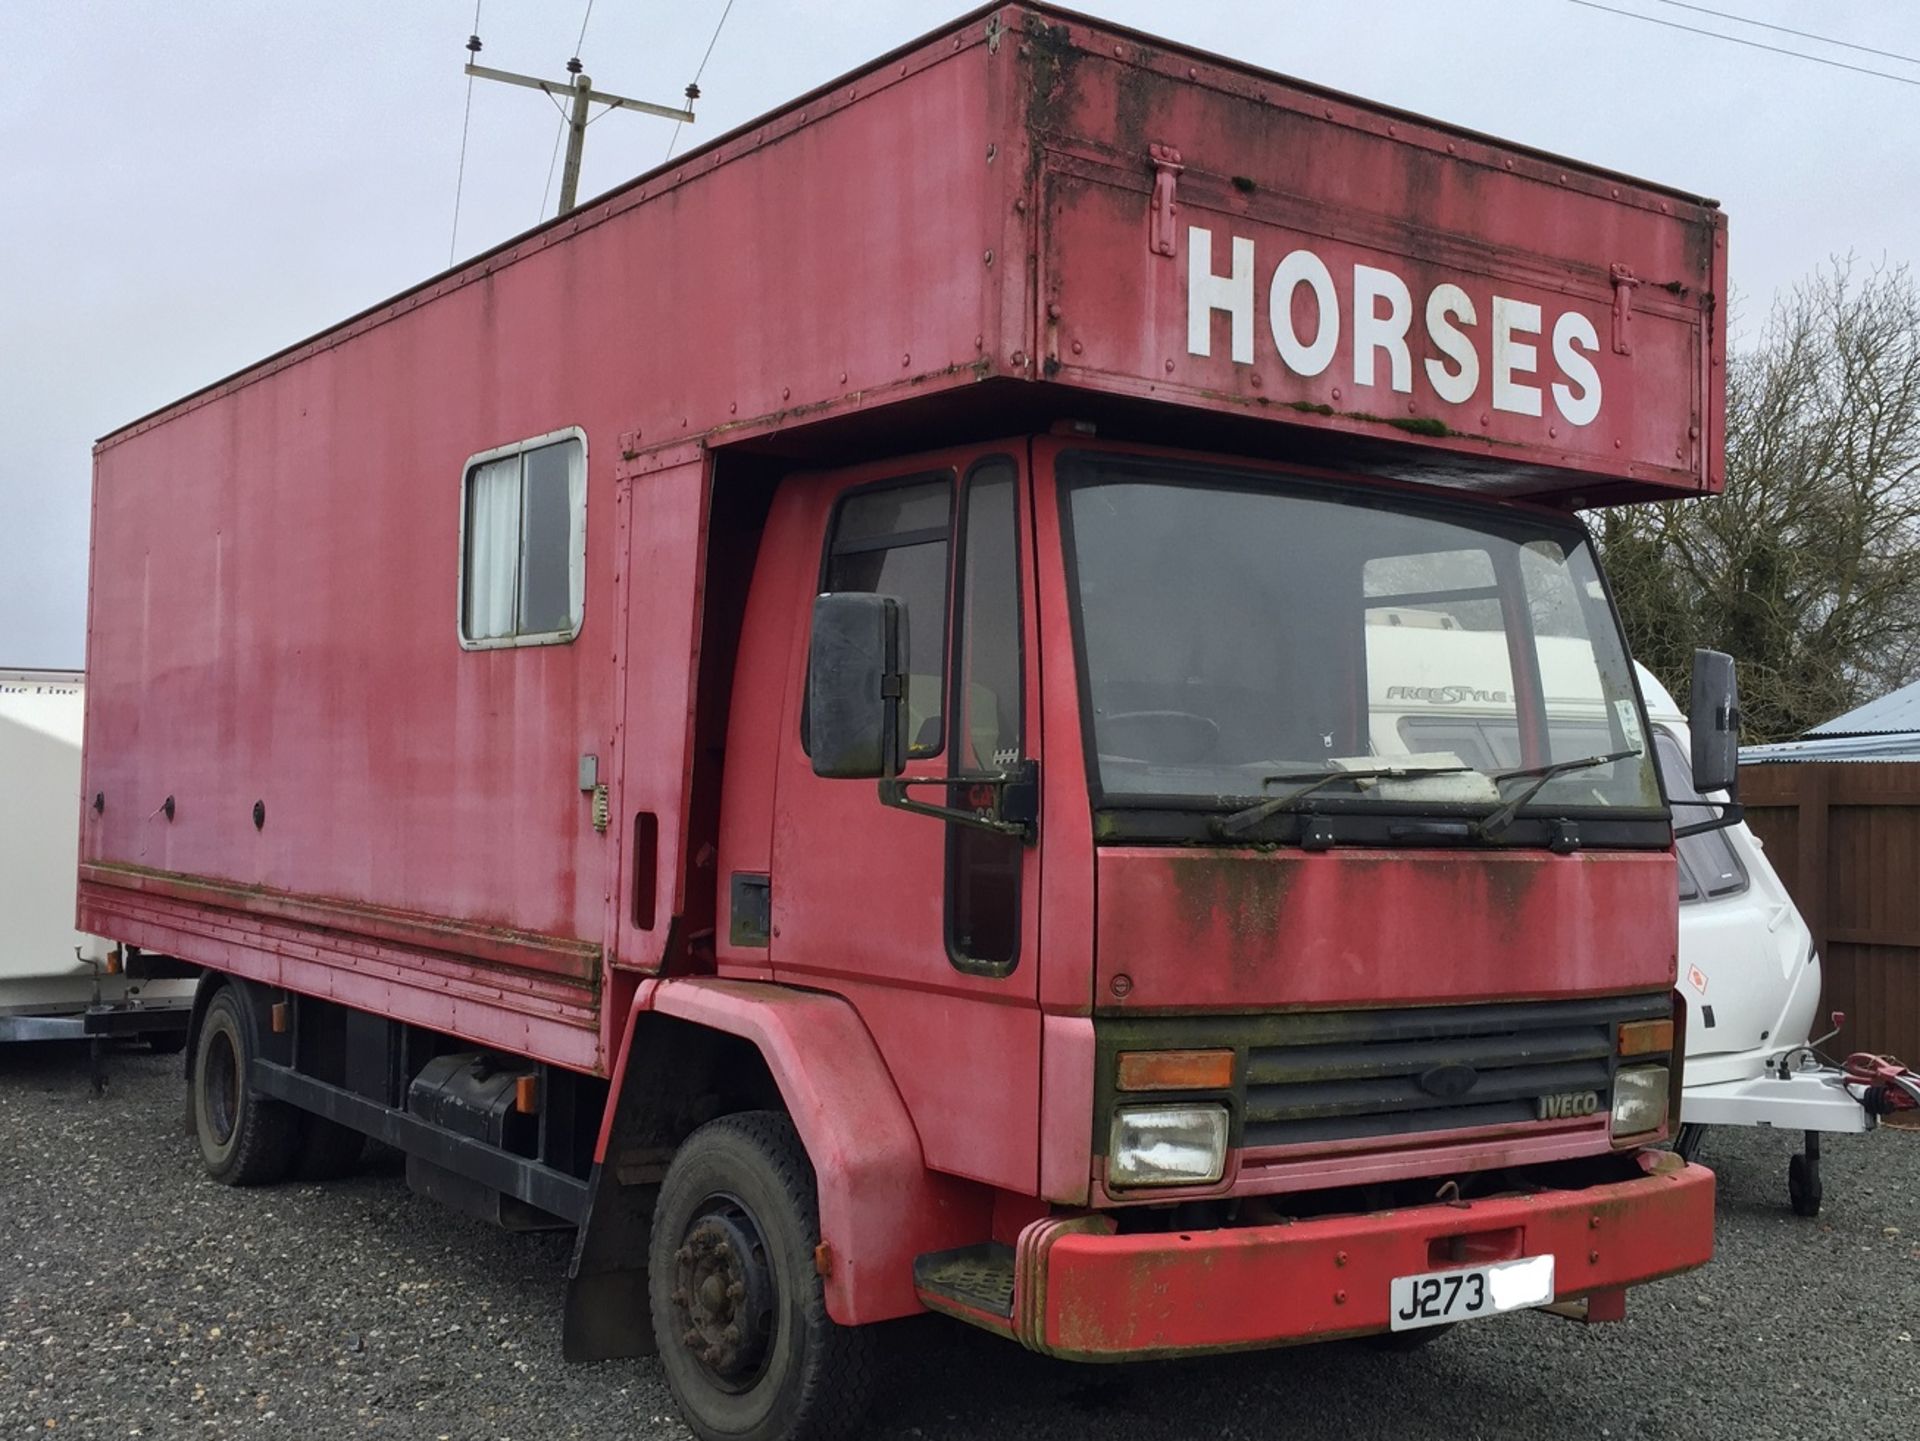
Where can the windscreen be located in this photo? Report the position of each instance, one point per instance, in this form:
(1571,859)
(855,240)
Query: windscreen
(1241,636)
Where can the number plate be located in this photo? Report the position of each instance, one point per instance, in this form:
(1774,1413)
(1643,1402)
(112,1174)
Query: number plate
(1437,1297)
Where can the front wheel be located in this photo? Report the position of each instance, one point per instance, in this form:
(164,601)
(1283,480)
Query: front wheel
(739,1311)
(246,1139)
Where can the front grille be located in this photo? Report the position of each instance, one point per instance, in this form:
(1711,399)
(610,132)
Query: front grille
(1354,1075)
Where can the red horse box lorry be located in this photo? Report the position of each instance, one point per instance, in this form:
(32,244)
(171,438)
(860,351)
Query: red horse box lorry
(808,719)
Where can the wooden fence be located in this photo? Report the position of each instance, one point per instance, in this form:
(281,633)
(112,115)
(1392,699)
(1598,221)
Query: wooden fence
(1845,837)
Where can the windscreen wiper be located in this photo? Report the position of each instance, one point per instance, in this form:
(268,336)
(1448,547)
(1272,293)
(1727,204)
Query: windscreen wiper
(1244,820)
(1497,821)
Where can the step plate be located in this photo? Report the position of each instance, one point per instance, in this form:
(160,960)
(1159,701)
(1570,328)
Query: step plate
(974,1283)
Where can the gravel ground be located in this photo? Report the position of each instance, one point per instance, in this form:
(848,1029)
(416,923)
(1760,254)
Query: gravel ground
(139,1299)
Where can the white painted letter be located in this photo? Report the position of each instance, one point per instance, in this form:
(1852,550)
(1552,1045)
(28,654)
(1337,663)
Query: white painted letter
(1207,292)
(1299,266)
(1511,318)
(1569,330)
(1447,304)
(1373,331)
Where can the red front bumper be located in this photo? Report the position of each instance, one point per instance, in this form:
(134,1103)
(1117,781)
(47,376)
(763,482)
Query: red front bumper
(1084,1292)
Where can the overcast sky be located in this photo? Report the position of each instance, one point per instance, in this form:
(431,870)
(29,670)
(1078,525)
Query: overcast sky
(186,187)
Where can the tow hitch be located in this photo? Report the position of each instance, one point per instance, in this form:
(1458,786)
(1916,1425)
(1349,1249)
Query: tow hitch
(1885,1085)
(1806,1090)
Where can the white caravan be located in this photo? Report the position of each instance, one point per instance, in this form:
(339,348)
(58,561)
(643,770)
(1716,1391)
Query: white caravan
(55,982)
(1747,967)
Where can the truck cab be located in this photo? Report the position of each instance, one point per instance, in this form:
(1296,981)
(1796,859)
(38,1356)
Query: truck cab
(1155,915)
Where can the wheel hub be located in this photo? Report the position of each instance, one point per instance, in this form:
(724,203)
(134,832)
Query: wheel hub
(222,1087)
(723,1294)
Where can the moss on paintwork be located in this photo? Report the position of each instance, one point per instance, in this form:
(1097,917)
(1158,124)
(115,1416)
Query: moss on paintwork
(1051,60)
(1241,894)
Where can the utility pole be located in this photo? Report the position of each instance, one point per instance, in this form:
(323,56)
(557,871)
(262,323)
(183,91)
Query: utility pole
(578,91)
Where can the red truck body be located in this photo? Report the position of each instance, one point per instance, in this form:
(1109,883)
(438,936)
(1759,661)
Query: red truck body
(1027,238)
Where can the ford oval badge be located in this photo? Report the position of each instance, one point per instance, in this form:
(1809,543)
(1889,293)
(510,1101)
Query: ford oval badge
(1449,1082)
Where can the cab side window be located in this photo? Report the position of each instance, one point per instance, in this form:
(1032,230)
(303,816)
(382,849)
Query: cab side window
(892,540)
(983,868)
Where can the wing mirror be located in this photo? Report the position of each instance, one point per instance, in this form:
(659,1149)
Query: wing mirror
(1713,716)
(855,686)
(856,718)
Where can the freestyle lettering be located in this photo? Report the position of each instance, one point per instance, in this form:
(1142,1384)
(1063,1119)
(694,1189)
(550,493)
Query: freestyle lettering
(1448,694)
(1377,311)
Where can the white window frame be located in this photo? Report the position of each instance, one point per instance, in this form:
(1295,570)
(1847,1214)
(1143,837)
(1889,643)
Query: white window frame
(577,562)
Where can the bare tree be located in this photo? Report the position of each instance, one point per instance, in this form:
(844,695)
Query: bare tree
(1807,569)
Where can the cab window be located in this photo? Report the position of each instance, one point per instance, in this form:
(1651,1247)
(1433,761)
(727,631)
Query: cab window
(891,539)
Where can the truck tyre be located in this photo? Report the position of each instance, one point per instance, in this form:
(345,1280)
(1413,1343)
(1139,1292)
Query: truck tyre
(246,1139)
(739,1311)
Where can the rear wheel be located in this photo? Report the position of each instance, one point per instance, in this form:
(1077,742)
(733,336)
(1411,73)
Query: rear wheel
(739,1310)
(246,1139)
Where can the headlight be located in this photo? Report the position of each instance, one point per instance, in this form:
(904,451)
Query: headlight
(1167,1146)
(1639,1100)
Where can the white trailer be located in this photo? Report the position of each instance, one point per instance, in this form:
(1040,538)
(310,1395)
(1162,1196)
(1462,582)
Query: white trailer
(1746,962)
(1751,980)
(57,983)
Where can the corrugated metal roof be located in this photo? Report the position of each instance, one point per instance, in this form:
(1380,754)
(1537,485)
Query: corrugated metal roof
(1897,711)
(1899,746)
(1887,729)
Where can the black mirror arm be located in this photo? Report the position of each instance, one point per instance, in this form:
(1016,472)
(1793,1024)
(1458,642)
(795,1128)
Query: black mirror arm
(1731,814)
(1015,808)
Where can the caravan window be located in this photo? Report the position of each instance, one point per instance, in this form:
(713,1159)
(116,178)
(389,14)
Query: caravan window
(1709,868)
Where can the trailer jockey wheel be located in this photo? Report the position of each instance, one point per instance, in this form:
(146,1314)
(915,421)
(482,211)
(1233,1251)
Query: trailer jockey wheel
(739,1311)
(246,1139)
(1803,1178)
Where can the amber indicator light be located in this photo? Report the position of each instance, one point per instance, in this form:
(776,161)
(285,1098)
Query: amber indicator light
(1175,1070)
(1645,1038)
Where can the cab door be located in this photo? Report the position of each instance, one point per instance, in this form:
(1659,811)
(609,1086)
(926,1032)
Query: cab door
(927,925)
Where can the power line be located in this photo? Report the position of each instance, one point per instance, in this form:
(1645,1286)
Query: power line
(583,30)
(1750,44)
(466,118)
(1788,30)
(693,89)
(559,134)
